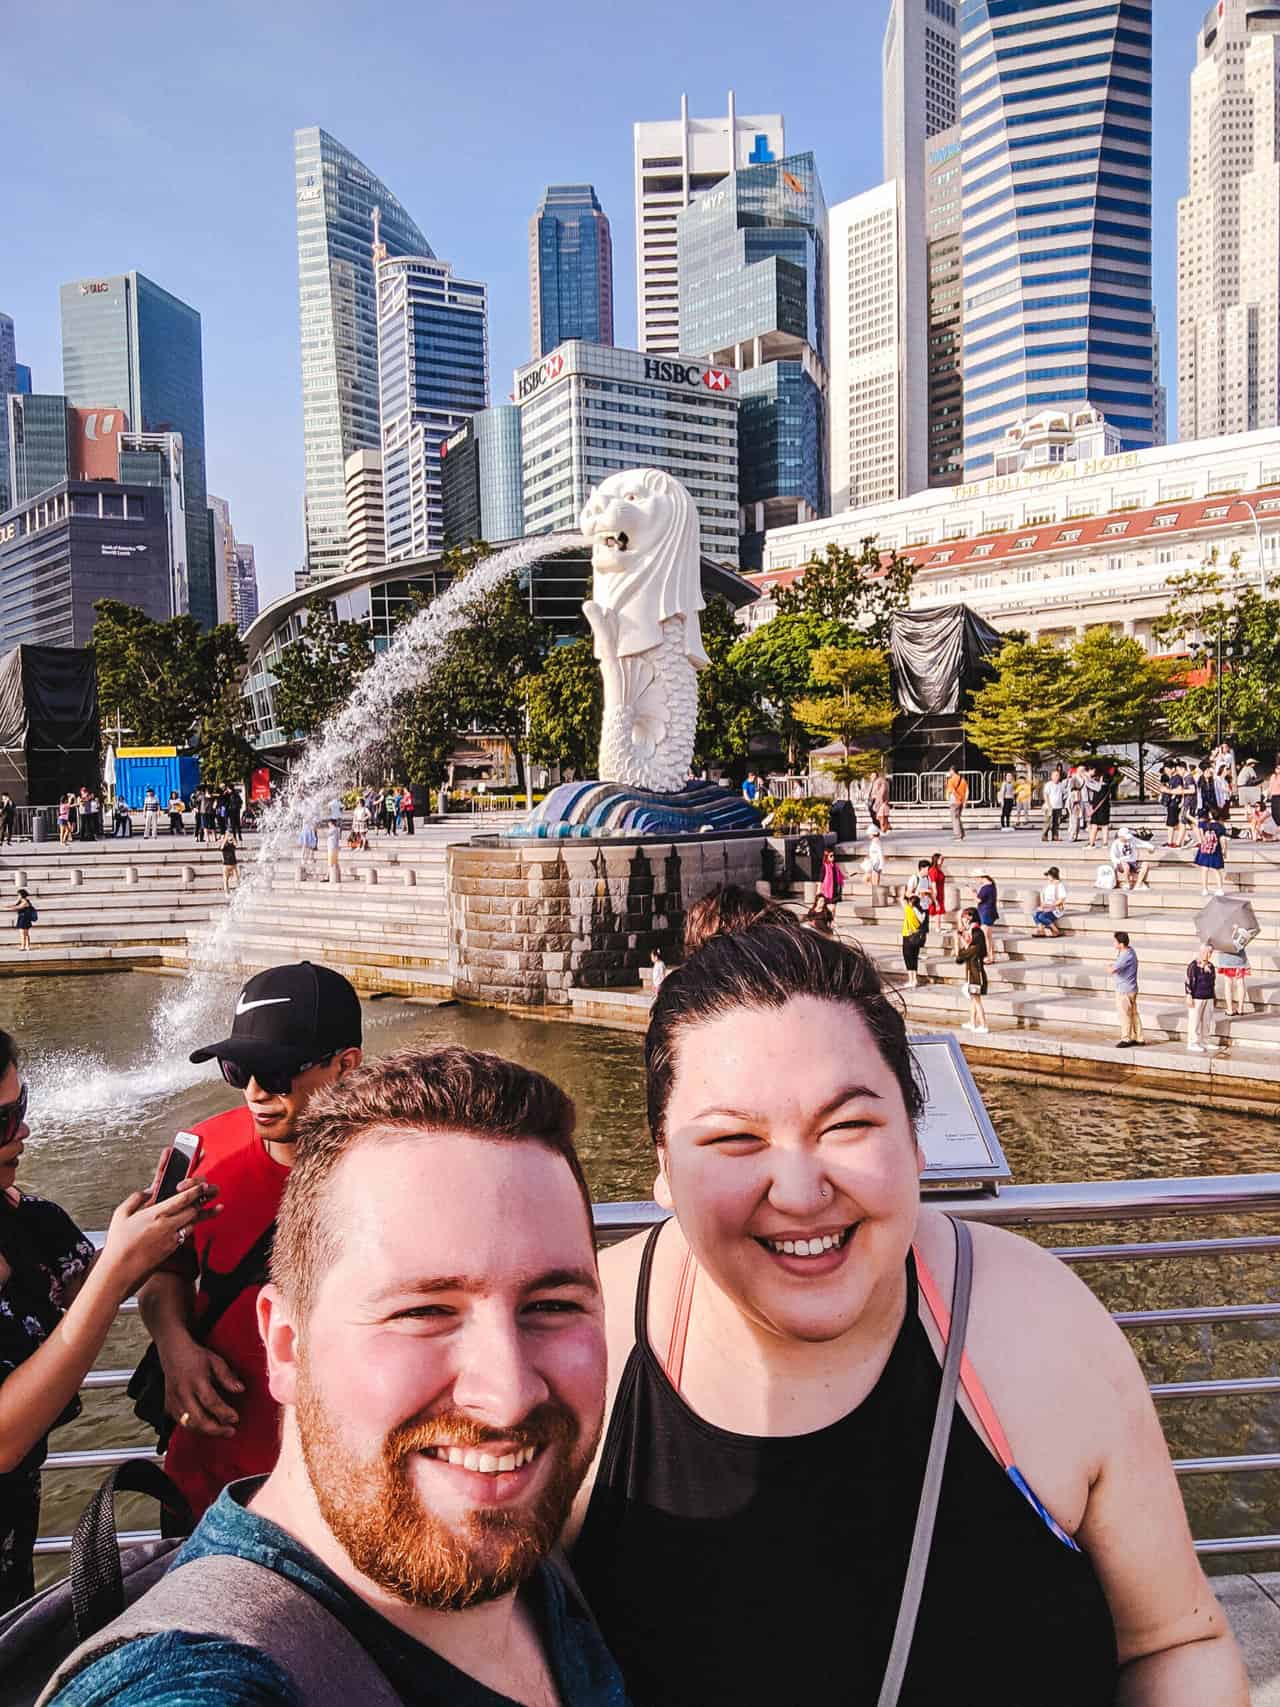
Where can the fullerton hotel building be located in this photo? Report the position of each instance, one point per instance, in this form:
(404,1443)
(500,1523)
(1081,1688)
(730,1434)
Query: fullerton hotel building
(1070,533)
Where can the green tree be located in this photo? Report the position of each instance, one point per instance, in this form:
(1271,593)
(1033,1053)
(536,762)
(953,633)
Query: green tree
(317,674)
(1030,708)
(1248,628)
(565,700)
(162,678)
(1123,693)
(857,707)
(862,590)
(423,736)
(728,715)
(776,666)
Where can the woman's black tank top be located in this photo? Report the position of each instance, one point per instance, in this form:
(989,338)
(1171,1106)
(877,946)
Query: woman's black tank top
(728,1570)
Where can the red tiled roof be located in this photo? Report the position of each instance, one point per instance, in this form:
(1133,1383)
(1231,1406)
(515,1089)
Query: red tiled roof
(1188,516)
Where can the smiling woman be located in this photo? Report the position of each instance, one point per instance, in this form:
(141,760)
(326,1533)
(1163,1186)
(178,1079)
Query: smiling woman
(774,1371)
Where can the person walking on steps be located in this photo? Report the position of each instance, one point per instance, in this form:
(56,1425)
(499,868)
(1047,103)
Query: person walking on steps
(1055,805)
(1098,787)
(971,953)
(956,790)
(1201,985)
(915,934)
(1005,795)
(22,906)
(1233,963)
(1075,802)
(1124,976)
(8,816)
(230,864)
(1211,854)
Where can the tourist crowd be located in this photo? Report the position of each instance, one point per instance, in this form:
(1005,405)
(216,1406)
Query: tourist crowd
(392,1380)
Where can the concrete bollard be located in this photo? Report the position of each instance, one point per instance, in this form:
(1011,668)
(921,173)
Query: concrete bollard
(75,877)
(19,880)
(409,876)
(131,874)
(951,896)
(370,874)
(1118,904)
(188,876)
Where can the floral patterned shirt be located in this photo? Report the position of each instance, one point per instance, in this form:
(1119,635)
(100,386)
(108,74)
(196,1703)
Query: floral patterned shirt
(38,1290)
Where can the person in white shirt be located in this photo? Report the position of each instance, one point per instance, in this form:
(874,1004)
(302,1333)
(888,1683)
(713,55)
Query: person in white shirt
(1055,804)
(1132,871)
(150,814)
(1051,903)
(873,865)
(360,820)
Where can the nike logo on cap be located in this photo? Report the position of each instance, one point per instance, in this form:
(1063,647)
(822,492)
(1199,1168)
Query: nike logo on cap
(243,1007)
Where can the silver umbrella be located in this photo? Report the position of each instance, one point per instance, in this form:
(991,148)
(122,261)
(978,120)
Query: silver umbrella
(1227,922)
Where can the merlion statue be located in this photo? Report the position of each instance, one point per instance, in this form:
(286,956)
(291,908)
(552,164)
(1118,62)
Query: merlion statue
(647,593)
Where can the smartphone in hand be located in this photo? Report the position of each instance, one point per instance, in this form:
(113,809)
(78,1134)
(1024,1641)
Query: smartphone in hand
(175,1165)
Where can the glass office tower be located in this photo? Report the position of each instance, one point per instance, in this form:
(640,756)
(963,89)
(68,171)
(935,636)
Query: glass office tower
(127,344)
(336,199)
(570,269)
(37,437)
(481,478)
(753,296)
(1055,124)
(433,361)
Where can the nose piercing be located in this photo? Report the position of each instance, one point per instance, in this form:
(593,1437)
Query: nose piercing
(826,1191)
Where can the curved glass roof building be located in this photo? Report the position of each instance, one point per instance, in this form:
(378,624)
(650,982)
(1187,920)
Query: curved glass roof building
(338,314)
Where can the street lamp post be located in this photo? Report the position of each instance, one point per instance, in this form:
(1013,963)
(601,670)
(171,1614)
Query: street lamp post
(1257,538)
(1213,651)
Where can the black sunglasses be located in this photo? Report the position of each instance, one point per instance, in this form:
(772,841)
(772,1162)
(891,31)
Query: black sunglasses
(12,1114)
(276,1081)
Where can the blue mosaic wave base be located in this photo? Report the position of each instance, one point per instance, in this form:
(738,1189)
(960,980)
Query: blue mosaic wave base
(583,809)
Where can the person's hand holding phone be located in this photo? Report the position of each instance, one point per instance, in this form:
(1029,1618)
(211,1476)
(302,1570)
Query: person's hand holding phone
(144,1233)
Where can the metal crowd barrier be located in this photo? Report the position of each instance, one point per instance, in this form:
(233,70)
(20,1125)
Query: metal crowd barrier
(1016,1206)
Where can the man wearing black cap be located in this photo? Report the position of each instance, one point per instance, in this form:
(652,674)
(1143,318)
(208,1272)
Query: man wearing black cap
(295,1029)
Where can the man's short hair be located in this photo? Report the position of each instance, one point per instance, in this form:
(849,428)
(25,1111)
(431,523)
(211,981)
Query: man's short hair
(438,1090)
(1122,937)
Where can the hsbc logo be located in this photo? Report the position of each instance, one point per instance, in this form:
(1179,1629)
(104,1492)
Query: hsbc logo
(687,373)
(97,288)
(541,375)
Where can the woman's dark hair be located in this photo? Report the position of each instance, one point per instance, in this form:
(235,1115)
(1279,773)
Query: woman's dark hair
(760,956)
(8,1053)
(724,910)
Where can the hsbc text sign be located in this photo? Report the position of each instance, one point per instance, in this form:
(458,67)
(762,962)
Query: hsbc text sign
(693,376)
(539,376)
(686,373)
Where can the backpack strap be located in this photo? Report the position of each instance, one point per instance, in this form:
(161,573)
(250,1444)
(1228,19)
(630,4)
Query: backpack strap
(235,1600)
(922,1539)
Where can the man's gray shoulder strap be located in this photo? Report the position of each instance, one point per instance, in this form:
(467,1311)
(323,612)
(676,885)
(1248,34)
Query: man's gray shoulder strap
(235,1600)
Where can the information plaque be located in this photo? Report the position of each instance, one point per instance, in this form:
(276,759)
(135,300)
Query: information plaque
(955,1131)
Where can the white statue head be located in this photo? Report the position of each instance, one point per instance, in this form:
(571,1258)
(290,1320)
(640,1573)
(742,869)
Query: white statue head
(645,555)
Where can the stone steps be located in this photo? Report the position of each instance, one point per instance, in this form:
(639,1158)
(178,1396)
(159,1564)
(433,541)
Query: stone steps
(289,940)
(250,954)
(1163,1019)
(1158,941)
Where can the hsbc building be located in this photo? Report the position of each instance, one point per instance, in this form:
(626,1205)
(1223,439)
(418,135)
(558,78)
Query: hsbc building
(591,410)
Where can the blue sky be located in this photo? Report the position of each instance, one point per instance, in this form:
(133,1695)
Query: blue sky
(160,137)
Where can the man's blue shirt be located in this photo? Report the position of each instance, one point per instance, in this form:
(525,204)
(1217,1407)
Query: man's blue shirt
(179,1670)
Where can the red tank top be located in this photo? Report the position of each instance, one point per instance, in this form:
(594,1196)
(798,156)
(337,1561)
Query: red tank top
(250,1186)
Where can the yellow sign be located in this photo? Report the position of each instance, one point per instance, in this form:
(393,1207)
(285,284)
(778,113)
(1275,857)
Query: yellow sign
(146,752)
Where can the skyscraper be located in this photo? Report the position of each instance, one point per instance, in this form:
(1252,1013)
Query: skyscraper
(157,459)
(127,344)
(8,385)
(223,536)
(945,261)
(338,314)
(482,479)
(867,355)
(1228,241)
(919,58)
(244,587)
(753,296)
(1056,184)
(433,357)
(570,269)
(38,445)
(676,161)
(366,524)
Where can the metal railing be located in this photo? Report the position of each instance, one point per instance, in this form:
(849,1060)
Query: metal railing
(1017,1206)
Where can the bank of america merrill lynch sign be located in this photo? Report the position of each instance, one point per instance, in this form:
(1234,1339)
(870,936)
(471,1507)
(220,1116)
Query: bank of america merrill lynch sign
(665,372)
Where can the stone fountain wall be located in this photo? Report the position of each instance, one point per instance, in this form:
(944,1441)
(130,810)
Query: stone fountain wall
(531,921)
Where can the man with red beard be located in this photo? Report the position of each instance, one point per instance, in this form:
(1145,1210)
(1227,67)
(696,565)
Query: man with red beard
(434,1337)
